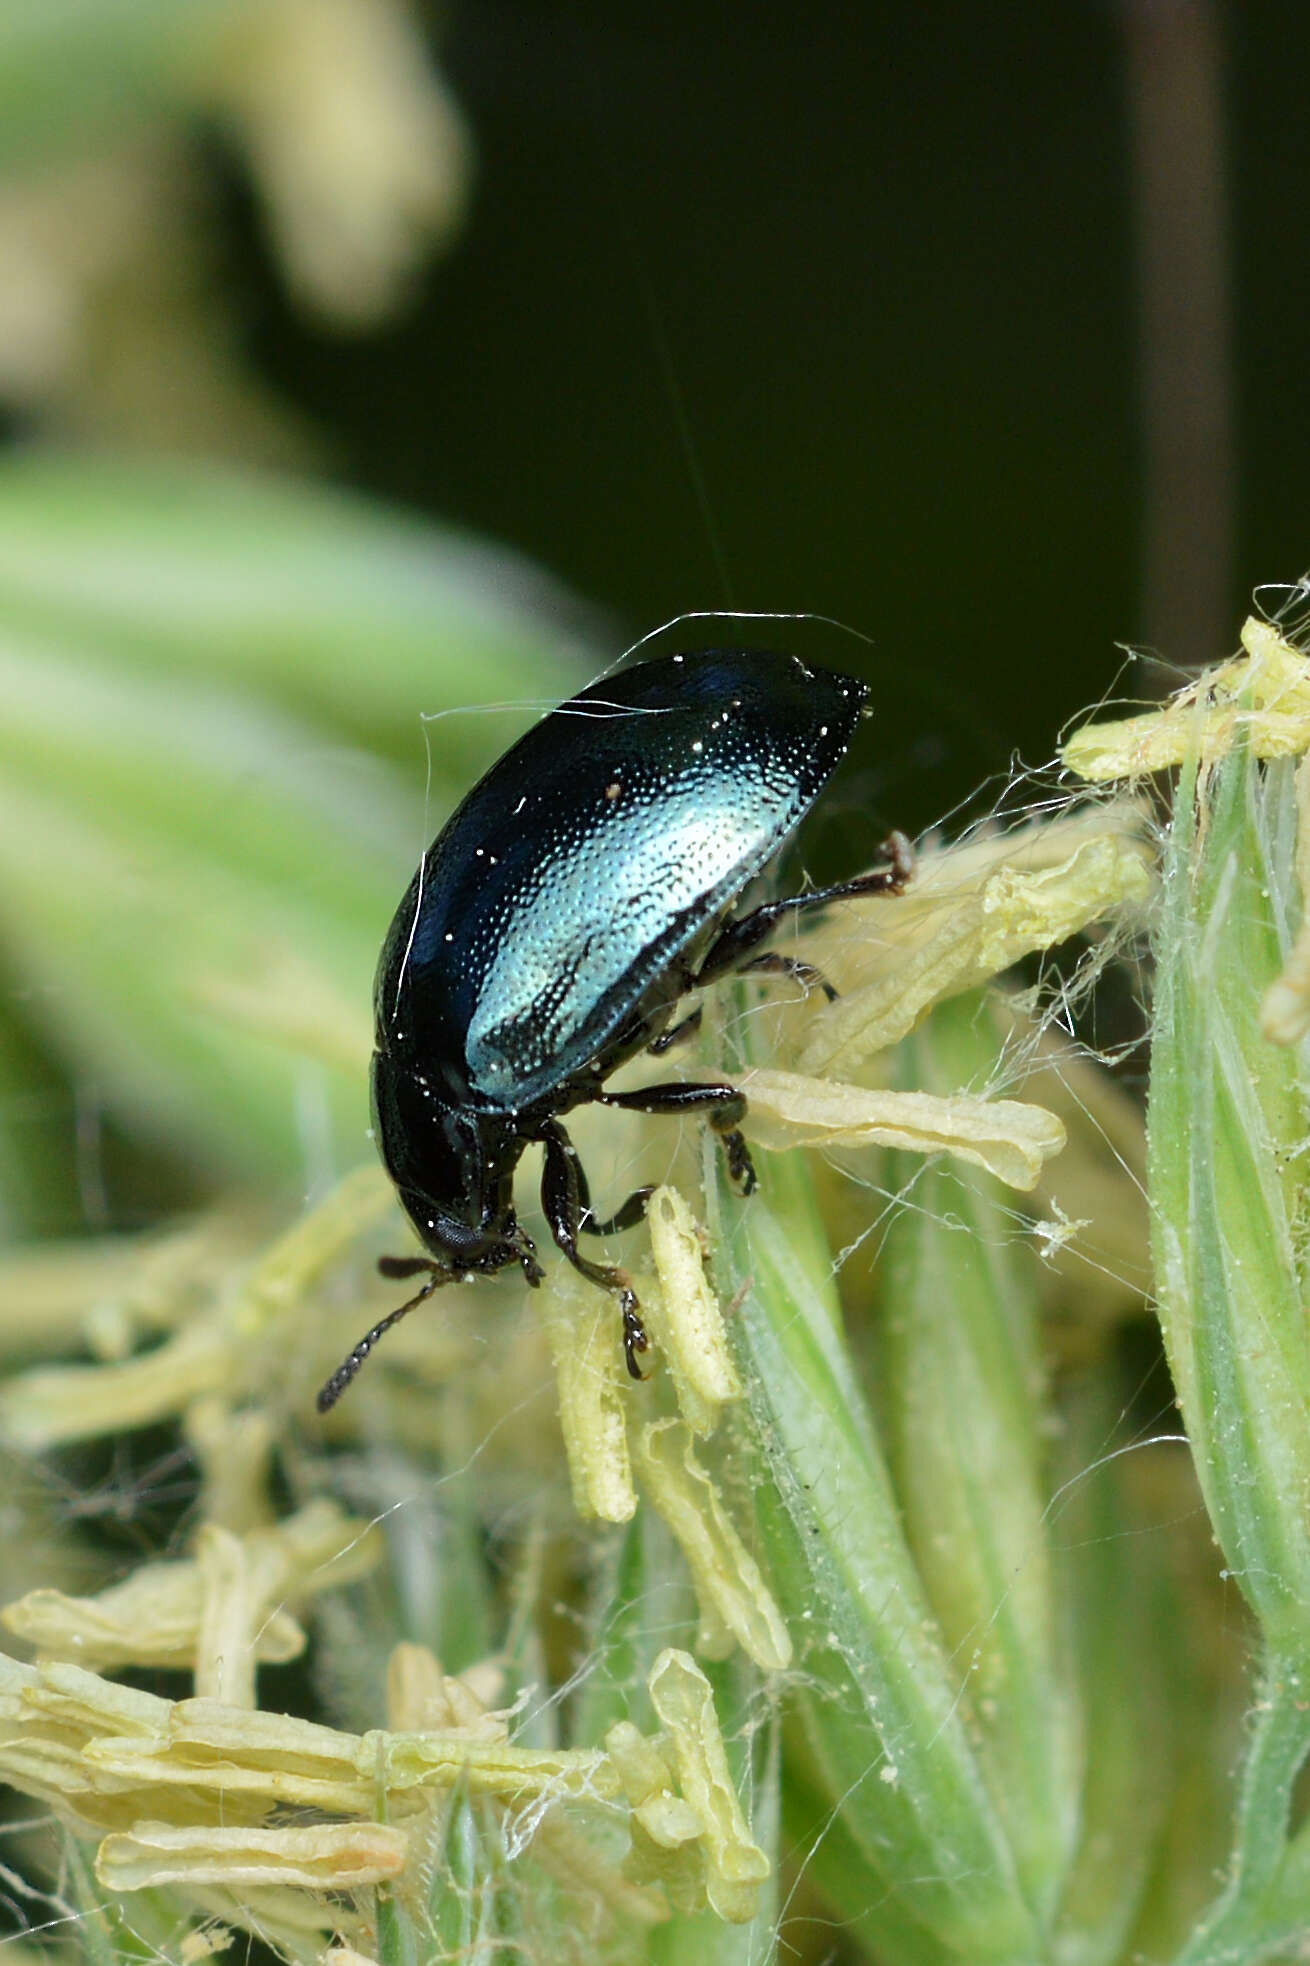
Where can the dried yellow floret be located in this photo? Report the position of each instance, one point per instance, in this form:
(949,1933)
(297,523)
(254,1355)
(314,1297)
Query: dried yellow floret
(323,1857)
(235,1447)
(421,1698)
(75,1402)
(213,1354)
(735,1866)
(156,1616)
(580,1326)
(1263,695)
(184,1789)
(688,1832)
(105,1291)
(683,1315)
(203,1943)
(311,1247)
(736,1605)
(357,145)
(1011,1139)
(984,910)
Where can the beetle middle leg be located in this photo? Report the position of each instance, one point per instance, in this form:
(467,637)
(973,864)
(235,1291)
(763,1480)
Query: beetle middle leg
(774,963)
(727,1110)
(563,1186)
(732,948)
(678,1033)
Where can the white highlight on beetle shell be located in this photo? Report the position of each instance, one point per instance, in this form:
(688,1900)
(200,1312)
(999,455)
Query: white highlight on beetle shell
(598,902)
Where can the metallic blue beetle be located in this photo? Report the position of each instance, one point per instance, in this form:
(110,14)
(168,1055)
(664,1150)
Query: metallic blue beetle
(583,888)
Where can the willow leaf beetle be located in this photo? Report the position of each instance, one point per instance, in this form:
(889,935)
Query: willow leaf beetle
(581,890)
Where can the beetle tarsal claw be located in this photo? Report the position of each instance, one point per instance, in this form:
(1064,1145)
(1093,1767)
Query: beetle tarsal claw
(634,1333)
(741,1168)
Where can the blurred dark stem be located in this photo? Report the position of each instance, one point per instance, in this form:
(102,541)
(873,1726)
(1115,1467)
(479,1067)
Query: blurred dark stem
(1172,59)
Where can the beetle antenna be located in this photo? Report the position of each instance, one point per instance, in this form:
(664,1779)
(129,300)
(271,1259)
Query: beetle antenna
(349,1366)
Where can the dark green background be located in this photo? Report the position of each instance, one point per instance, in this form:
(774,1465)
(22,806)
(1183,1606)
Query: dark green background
(881,260)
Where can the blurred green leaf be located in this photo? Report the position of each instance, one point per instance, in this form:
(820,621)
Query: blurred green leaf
(1120,1622)
(329,602)
(960,1338)
(1227,1130)
(197,863)
(74,73)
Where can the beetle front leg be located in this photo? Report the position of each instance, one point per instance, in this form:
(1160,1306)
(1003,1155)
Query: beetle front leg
(727,1110)
(563,1186)
(626,1215)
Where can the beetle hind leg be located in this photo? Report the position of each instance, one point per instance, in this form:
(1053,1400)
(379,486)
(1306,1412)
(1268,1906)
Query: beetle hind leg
(563,1192)
(626,1216)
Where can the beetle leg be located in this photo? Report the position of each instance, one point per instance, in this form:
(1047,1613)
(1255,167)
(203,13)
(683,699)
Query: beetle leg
(727,1110)
(677,1033)
(741,1168)
(562,1186)
(523,1251)
(737,939)
(776,964)
(626,1215)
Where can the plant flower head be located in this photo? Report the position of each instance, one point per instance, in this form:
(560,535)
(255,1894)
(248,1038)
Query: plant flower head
(744,1488)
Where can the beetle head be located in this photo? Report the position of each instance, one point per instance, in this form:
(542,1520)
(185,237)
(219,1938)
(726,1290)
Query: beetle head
(453,1166)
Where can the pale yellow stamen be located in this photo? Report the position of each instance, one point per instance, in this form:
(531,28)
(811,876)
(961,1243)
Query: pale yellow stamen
(582,1331)
(181,1789)
(213,1353)
(1010,1139)
(175,1615)
(421,1698)
(326,1857)
(735,1864)
(683,1315)
(1263,694)
(969,924)
(736,1606)
(688,1831)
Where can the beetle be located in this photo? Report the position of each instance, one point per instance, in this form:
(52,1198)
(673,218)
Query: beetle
(581,890)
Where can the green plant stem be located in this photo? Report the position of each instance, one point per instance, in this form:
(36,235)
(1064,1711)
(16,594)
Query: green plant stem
(884,1729)
(1266,1903)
